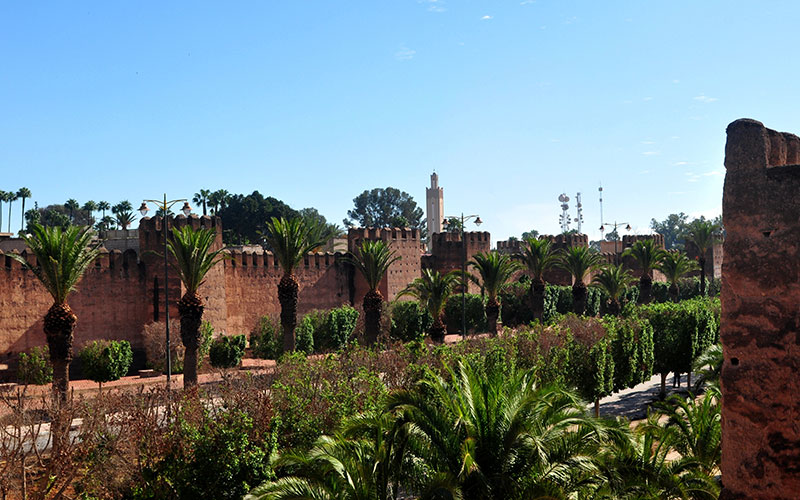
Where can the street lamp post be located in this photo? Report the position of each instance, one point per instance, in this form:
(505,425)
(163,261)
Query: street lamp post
(164,206)
(616,235)
(478,222)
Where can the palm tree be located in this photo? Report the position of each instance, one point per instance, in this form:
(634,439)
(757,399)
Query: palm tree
(202,198)
(676,265)
(63,255)
(372,259)
(642,467)
(3,195)
(90,206)
(694,428)
(103,205)
(11,197)
(123,212)
(290,240)
(219,200)
(648,256)
(432,291)
(579,262)
(538,257)
(703,233)
(496,435)
(494,270)
(363,461)
(708,366)
(614,280)
(72,205)
(193,259)
(23,193)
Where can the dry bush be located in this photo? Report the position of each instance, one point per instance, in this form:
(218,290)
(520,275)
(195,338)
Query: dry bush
(155,337)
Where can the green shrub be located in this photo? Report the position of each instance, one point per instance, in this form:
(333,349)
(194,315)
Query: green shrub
(333,329)
(410,321)
(106,360)
(632,349)
(591,365)
(475,313)
(34,367)
(206,337)
(304,333)
(681,332)
(514,308)
(265,339)
(227,352)
(222,457)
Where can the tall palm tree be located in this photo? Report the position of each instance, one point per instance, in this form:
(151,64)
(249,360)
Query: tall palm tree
(90,206)
(193,259)
(72,205)
(703,233)
(579,262)
(103,206)
(63,256)
(219,200)
(432,291)
(202,198)
(22,194)
(3,195)
(372,259)
(290,240)
(538,257)
(648,256)
(497,435)
(494,271)
(676,265)
(614,280)
(11,197)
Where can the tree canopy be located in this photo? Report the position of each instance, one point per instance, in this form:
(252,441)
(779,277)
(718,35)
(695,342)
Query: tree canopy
(245,217)
(388,207)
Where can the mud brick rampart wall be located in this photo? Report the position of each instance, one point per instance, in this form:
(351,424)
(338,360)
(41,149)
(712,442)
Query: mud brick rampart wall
(761,314)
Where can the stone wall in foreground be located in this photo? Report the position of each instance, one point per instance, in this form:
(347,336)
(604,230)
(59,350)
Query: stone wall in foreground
(761,314)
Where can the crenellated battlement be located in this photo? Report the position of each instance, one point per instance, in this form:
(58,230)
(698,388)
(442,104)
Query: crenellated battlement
(106,261)
(455,237)
(383,233)
(256,260)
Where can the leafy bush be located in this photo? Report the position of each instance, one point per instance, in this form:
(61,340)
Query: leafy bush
(222,457)
(591,365)
(106,360)
(341,324)
(265,339)
(206,337)
(227,352)
(154,336)
(410,321)
(514,308)
(34,367)
(304,333)
(632,349)
(475,313)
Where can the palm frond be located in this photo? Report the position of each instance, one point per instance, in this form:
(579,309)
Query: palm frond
(193,258)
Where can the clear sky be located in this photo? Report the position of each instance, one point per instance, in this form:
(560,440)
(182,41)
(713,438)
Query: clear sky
(511,102)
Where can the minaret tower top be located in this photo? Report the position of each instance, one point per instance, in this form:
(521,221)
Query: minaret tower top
(434,205)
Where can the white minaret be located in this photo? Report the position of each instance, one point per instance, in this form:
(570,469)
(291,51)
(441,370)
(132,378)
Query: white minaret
(434,203)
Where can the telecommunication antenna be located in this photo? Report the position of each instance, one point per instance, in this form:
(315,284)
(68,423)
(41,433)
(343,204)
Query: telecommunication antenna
(564,218)
(600,189)
(579,218)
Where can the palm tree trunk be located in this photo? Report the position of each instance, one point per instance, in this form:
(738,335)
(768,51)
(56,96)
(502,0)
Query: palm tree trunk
(663,392)
(613,307)
(596,407)
(645,289)
(579,298)
(702,274)
(492,313)
(191,309)
(537,305)
(287,296)
(22,217)
(438,330)
(373,302)
(59,325)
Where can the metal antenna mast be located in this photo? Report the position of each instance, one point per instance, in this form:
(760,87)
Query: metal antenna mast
(600,189)
(579,218)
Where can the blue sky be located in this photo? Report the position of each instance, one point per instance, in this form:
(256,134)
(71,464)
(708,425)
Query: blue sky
(313,102)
